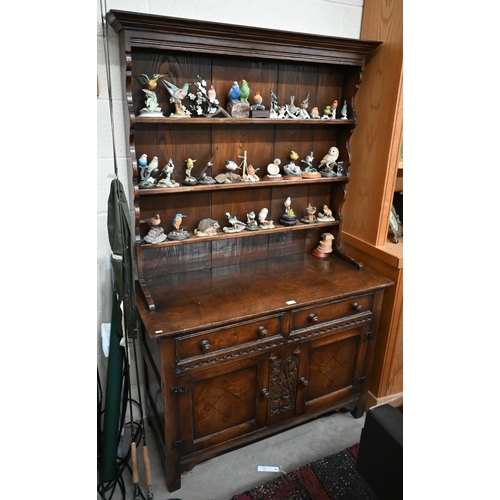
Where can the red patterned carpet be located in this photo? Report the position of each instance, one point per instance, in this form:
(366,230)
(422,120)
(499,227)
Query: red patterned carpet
(331,477)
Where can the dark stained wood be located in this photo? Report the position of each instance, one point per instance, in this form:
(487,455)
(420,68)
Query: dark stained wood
(247,334)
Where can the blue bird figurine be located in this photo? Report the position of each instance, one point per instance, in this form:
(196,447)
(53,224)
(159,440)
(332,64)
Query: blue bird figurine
(177,221)
(234,92)
(177,93)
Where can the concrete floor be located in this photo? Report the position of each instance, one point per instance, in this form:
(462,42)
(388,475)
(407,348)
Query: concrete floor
(234,472)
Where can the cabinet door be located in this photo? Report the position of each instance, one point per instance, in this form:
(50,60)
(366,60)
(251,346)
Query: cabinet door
(332,369)
(221,404)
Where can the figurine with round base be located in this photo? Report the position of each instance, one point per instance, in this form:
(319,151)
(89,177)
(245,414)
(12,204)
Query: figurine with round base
(288,218)
(324,249)
(190,180)
(204,177)
(310,218)
(291,170)
(310,172)
(326,215)
(252,224)
(263,222)
(156,233)
(273,171)
(328,165)
(148,172)
(178,233)
(207,227)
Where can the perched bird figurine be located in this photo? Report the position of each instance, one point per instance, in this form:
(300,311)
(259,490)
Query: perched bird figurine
(154,221)
(143,160)
(305,103)
(149,83)
(231,165)
(293,155)
(177,221)
(211,93)
(234,92)
(274,100)
(244,90)
(334,109)
(257,99)
(288,204)
(177,93)
(330,157)
(343,111)
(153,166)
(327,112)
(315,112)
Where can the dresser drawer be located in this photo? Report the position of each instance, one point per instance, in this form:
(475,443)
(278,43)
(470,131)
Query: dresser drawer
(217,340)
(315,315)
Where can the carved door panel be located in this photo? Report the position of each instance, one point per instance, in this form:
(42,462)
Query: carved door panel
(281,389)
(221,404)
(332,369)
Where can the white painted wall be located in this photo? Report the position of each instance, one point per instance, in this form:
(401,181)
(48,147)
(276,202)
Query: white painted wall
(326,17)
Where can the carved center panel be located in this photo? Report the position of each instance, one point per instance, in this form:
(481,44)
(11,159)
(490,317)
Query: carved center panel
(283,380)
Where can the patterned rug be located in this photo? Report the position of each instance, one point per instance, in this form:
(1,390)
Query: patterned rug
(331,477)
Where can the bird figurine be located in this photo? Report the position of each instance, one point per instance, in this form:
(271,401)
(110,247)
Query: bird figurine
(143,160)
(211,93)
(149,83)
(288,204)
(153,166)
(315,112)
(327,112)
(177,221)
(330,157)
(257,99)
(293,155)
(231,165)
(305,103)
(234,92)
(236,225)
(334,109)
(343,111)
(244,90)
(154,221)
(274,100)
(177,93)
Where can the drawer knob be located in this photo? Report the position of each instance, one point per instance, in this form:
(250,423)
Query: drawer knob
(304,382)
(313,318)
(205,345)
(262,331)
(265,393)
(357,307)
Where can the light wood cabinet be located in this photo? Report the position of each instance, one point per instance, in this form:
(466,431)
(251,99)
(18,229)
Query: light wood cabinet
(377,142)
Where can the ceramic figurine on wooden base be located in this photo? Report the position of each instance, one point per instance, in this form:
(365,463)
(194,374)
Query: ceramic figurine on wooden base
(166,173)
(207,227)
(263,222)
(205,178)
(310,172)
(326,215)
(252,224)
(288,218)
(236,225)
(190,180)
(178,233)
(176,97)
(152,108)
(310,218)
(324,249)
(328,166)
(257,109)
(291,170)
(156,233)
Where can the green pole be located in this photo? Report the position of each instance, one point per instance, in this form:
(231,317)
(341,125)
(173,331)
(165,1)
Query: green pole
(111,427)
